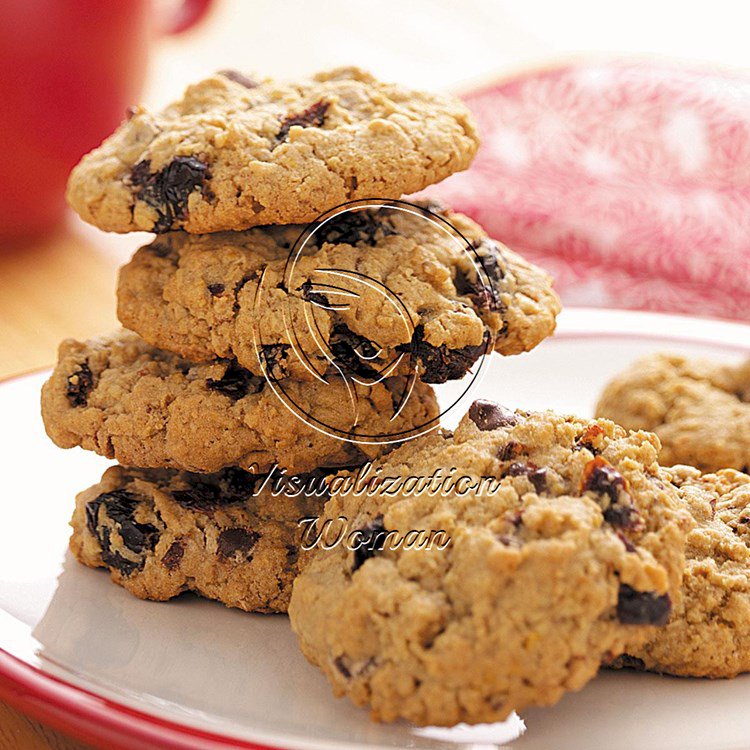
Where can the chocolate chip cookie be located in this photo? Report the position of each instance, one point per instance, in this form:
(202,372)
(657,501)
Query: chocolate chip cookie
(699,409)
(564,545)
(709,630)
(126,400)
(232,536)
(396,288)
(237,152)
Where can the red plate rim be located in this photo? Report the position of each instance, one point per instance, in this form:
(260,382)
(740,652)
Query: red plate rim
(91,718)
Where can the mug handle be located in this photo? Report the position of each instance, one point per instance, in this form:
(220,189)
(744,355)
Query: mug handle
(186,15)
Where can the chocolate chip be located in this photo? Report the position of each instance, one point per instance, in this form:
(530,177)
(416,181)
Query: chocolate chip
(79,385)
(312,117)
(216,290)
(168,189)
(483,289)
(236,382)
(236,539)
(603,479)
(120,507)
(371,541)
(642,607)
(241,78)
(114,560)
(487,415)
(355,227)
(624,516)
(491,257)
(440,363)
(173,556)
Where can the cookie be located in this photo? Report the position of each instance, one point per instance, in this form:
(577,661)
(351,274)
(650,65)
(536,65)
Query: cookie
(237,152)
(126,400)
(561,545)
(230,536)
(709,630)
(377,290)
(699,409)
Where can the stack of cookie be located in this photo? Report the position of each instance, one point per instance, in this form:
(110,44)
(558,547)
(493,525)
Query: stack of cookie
(261,351)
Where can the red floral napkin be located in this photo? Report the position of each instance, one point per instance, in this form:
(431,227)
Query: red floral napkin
(629,181)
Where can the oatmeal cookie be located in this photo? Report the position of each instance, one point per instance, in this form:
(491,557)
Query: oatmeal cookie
(709,630)
(377,290)
(124,399)
(237,152)
(699,409)
(566,546)
(230,536)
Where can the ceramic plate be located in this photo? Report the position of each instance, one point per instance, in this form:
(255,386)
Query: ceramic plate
(87,657)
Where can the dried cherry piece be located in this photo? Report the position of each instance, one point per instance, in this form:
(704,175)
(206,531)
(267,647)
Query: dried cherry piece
(353,227)
(352,351)
(312,117)
(168,189)
(600,477)
(372,540)
(201,496)
(236,382)
(79,385)
(441,363)
(173,556)
(642,607)
(535,475)
(119,507)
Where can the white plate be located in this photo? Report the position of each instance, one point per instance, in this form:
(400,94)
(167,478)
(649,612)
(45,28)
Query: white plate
(88,657)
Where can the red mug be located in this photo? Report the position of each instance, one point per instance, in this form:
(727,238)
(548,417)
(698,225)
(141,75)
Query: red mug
(70,68)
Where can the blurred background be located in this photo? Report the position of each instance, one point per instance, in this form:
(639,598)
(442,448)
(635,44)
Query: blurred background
(615,148)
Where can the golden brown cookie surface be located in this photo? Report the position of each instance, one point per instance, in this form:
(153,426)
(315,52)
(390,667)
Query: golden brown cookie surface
(572,557)
(376,289)
(235,153)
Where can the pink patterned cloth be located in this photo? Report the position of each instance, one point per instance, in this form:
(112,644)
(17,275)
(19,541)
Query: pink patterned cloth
(630,182)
